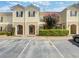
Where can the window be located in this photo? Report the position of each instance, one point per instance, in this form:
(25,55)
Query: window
(16,14)
(1,20)
(0,28)
(31,13)
(73,13)
(19,14)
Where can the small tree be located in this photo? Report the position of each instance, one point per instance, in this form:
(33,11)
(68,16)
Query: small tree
(50,22)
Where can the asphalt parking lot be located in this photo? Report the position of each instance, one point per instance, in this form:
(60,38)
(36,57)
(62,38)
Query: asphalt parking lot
(31,48)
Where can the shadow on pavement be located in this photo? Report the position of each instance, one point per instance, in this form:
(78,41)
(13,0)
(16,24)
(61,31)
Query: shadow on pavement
(73,42)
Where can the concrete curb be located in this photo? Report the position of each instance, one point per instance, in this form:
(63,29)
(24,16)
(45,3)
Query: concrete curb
(38,37)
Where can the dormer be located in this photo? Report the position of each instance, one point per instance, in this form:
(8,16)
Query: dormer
(32,11)
(18,13)
(32,7)
(18,10)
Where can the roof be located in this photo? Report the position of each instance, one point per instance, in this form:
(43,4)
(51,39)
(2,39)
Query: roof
(18,5)
(5,13)
(50,13)
(73,5)
(32,5)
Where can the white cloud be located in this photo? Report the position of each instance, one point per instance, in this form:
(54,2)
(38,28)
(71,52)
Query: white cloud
(36,5)
(7,7)
(56,9)
(60,3)
(14,2)
(4,9)
(41,3)
(45,3)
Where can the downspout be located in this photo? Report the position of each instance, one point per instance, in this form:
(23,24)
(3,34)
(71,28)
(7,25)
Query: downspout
(78,24)
(24,21)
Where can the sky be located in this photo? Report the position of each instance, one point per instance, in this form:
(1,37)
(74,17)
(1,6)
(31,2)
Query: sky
(47,6)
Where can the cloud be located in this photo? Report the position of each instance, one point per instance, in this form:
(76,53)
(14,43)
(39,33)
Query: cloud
(45,3)
(41,3)
(59,9)
(4,9)
(14,2)
(60,3)
(56,9)
(36,5)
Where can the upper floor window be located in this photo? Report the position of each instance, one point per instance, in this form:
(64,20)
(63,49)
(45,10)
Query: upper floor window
(73,13)
(1,20)
(19,14)
(31,13)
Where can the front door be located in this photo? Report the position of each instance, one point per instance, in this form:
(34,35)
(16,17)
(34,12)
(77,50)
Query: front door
(73,29)
(19,29)
(32,29)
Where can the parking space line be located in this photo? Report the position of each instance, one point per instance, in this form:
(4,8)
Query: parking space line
(57,49)
(5,44)
(24,49)
(8,49)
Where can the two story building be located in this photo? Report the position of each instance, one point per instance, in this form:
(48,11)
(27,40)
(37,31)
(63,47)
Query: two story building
(70,18)
(28,20)
(25,20)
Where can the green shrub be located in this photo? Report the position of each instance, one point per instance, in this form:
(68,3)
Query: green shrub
(2,33)
(53,32)
(11,32)
(8,33)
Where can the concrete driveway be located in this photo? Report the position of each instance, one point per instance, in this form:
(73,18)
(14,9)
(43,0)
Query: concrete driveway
(31,48)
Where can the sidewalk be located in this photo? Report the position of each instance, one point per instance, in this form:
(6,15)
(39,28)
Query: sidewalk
(38,37)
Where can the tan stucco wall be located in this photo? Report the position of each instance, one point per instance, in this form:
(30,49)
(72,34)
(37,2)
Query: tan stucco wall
(63,17)
(26,21)
(72,19)
(36,27)
(5,27)
(26,27)
(69,20)
(7,18)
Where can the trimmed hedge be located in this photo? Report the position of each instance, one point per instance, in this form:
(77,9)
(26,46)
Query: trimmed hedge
(53,32)
(2,33)
(6,33)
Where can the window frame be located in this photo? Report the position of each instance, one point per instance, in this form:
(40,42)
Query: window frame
(1,20)
(73,13)
(31,13)
(19,13)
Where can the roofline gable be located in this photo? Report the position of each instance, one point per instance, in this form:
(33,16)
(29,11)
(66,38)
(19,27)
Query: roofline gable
(32,5)
(18,5)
